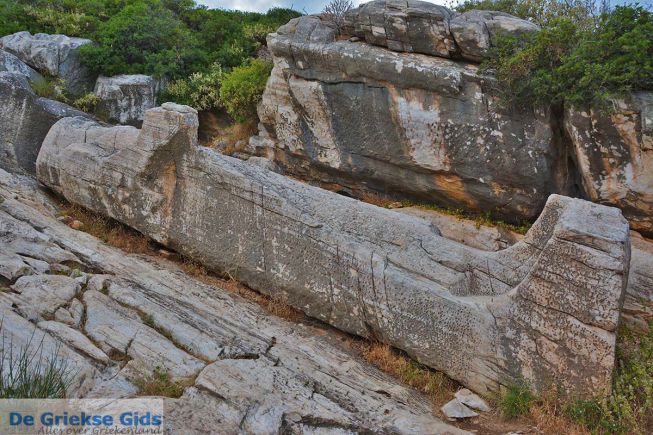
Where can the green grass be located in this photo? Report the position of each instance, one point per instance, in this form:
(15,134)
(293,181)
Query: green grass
(29,373)
(517,400)
(50,88)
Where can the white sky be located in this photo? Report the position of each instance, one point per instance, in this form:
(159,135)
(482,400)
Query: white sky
(310,6)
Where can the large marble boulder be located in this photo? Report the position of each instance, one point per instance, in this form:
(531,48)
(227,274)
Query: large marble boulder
(404,124)
(421,27)
(545,310)
(475,32)
(54,55)
(411,26)
(25,119)
(125,98)
(614,153)
(10,63)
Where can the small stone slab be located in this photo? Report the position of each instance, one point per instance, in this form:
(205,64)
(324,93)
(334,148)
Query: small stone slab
(454,409)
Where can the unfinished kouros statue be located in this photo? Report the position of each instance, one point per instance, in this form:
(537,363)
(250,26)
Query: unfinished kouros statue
(545,310)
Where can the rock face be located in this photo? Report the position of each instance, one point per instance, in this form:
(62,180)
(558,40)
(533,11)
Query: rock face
(402,124)
(125,98)
(545,309)
(614,151)
(54,55)
(25,119)
(422,27)
(10,63)
(431,128)
(638,305)
(251,372)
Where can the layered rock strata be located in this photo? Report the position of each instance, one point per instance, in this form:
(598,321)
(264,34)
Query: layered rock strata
(545,309)
(402,115)
(403,124)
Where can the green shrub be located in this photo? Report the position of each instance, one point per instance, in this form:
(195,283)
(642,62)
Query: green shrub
(542,12)
(144,37)
(171,38)
(517,400)
(570,62)
(26,373)
(200,91)
(87,103)
(242,89)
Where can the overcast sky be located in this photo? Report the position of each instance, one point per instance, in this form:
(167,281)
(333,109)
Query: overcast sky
(310,6)
(313,6)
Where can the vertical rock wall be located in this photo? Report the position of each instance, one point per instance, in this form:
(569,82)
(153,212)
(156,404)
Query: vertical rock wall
(401,109)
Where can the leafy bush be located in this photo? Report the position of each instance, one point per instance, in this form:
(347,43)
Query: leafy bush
(569,63)
(26,373)
(87,102)
(242,89)
(144,37)
(200,91)
(542,12)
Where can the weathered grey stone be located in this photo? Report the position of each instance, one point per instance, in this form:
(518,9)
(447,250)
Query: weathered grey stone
(25,119)
(264,163)
(74,339)
(471,400)
(465,231)
(478,316)
(10,63)
(38,265)
(423,27)
(125,98)
(54,55)
(76,310)
(454,409)
(118,329)
(410,26)
(638,304)
(211,322)
(13,267)
(41,295)
(614,155)
(404,124)
(475,32)
(62,315)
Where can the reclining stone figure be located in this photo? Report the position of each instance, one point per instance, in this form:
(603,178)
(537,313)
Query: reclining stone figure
(545,310)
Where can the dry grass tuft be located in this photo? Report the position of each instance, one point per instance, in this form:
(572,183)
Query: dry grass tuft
(435,385)
(108,230)
(159,383)
(232,135)
(549,417)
